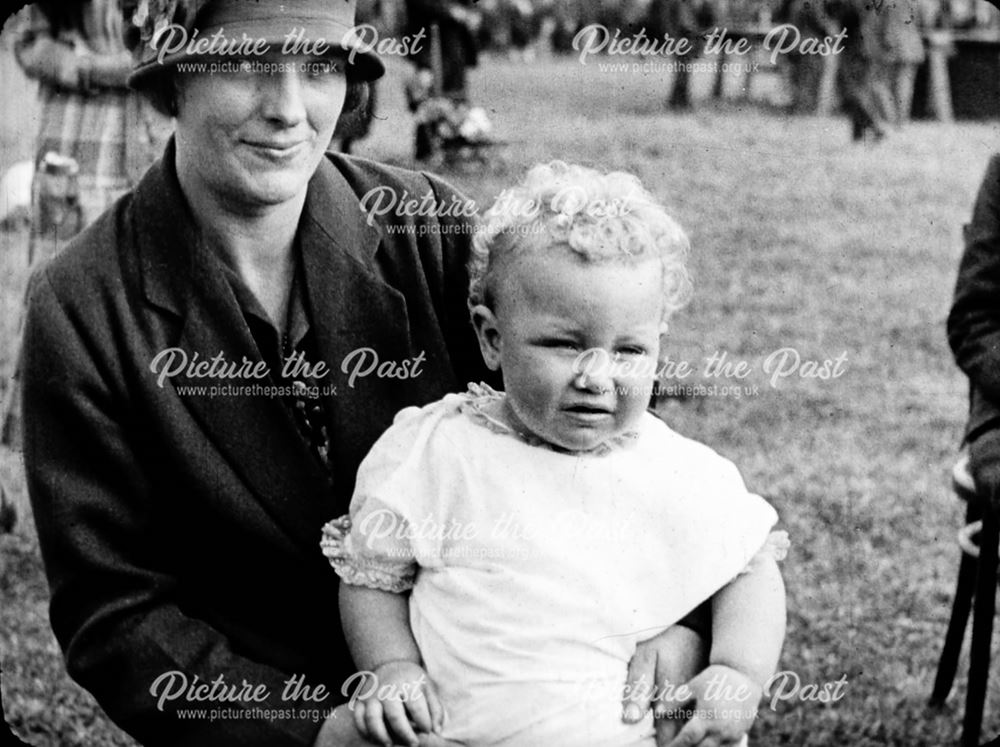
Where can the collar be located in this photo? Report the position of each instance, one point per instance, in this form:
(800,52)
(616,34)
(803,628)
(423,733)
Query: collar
(168,239)
(297,324)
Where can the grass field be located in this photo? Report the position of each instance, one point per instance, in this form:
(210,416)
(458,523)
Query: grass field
(800,240)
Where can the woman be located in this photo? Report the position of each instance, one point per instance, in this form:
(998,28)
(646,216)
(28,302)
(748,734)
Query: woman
(207,365)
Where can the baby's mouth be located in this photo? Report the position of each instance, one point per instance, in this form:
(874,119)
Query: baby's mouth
(588,410)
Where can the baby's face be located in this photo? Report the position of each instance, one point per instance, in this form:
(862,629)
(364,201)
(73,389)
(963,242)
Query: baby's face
(577,344)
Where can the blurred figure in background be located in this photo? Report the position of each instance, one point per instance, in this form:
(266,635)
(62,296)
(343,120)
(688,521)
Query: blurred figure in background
(355,122)
(95,137)
(900,51)
(805,71)
(438,93)
(76,52)
(458,23)
(522,24)
(856,76)
(682,19)
(561,19)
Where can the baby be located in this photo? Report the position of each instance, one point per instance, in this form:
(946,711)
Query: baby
(507,551)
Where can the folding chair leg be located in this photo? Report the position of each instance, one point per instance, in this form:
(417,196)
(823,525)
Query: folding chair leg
(982,630)
(948,664)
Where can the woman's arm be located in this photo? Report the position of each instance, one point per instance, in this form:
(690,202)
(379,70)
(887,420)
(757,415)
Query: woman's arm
(748,627)
(748,621)
(116,607)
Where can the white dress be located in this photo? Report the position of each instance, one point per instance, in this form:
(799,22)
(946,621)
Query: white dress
(535,572)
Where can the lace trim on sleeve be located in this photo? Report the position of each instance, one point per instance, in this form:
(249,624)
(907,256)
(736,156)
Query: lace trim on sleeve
(357,570)
(776,546)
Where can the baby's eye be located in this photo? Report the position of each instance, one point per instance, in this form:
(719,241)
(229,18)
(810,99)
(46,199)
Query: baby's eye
(560,344)
(629,351)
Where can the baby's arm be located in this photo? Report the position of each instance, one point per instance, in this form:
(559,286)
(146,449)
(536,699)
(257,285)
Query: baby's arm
(377,626)
(748,621)
(748,628)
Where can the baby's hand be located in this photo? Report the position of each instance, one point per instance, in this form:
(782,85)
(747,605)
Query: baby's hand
(723,707)
(402,703)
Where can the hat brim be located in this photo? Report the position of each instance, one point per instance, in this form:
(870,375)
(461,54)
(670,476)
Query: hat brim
(361,63)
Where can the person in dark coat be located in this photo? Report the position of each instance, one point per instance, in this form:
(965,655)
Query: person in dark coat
(813,22)
(974,333)
(681,19)
(458,24)
(856,75)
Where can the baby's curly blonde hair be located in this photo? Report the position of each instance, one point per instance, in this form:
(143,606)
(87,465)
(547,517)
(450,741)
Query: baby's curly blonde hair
(599,217)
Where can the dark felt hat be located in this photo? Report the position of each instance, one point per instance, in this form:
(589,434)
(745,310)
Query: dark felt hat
(167,32)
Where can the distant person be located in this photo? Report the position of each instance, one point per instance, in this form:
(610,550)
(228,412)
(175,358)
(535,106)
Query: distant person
(561,20)
(974,333)
(522,23)
(806,70)
(356,121)
(440,67)
(856,76)
(95,137)
(900,52)
(681,19)
(458,23)
(76,52)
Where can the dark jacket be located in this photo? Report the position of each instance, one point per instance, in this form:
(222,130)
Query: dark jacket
(974,321)
(180,533)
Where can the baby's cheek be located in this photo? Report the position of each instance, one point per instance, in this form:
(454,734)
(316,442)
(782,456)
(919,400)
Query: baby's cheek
(634,395)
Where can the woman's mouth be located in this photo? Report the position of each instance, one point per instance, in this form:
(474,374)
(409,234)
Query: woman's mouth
(277,149)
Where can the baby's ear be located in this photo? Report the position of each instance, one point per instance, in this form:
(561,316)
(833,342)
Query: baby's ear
(488,332)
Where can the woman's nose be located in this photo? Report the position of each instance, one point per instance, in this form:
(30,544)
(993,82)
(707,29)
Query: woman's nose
(283,98)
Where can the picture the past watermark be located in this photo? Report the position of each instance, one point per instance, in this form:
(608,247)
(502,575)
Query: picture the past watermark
(596,41)
(717,374)
(219,698)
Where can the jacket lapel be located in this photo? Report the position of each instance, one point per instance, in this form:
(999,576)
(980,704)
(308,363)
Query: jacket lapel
(256,434)
(351,309)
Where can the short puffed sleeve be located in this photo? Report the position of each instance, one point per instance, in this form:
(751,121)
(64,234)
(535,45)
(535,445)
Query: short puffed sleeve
(396,505)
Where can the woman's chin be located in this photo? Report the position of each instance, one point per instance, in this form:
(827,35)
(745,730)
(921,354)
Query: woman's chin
(271,189)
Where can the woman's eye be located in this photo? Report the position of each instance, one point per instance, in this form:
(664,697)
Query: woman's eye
(322,69)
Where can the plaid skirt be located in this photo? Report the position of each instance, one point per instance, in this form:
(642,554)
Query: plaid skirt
(113,136)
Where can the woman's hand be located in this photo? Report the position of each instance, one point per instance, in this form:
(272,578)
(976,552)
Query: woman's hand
(721,708)
(401,704)
(660,665)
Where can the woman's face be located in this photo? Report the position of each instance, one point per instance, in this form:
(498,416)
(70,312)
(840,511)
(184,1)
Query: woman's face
(251,133)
